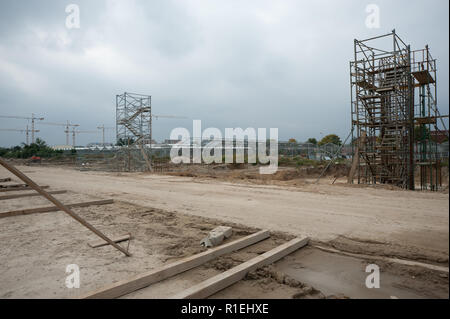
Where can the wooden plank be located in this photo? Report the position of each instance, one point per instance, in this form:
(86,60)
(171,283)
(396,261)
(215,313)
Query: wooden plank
(233,275)
(23,188)
(13,185)
(60,205)
(366,85)
(146,279)
(53,208)
(423,77)
(29,195)
(426,120)
(355,163)
(101,243)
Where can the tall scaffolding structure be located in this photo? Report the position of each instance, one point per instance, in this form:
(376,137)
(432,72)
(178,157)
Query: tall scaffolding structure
(134,126)
(392,132)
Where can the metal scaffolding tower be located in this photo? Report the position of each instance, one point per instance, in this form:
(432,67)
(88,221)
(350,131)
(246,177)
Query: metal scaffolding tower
(134,123)
(387,77)
(134,129)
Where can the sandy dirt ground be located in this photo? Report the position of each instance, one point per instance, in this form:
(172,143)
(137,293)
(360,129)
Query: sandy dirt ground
(168,215)
(418,222)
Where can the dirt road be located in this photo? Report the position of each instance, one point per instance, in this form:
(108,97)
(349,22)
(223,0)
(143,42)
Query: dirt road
(416,221)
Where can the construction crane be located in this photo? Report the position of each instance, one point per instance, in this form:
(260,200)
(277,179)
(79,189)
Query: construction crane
(103,128)
(27,131)
(161,117)
(32,118)
(168,117)
(154,116)
(67,128)
(80,132)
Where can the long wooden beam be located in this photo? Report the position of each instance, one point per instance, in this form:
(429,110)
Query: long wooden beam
(30,195)
(60,205)
(146,279)
(355,162)
(53,208)
(23,188)
(13,185)
(229,277)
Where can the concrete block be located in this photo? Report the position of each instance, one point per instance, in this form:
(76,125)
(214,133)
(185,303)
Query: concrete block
(217,236)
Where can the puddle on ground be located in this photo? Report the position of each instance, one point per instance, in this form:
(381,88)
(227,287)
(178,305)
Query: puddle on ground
(339,275)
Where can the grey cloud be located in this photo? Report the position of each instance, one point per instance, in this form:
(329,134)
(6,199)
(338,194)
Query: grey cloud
(230,63)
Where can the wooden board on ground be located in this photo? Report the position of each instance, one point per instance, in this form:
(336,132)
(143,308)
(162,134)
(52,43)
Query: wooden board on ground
(101,243)
(29,195)
(233,275)
(146,279)
(53,208)
(60,205)
(13,185)
(23,188)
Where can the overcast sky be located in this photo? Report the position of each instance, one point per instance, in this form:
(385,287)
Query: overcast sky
(259,63)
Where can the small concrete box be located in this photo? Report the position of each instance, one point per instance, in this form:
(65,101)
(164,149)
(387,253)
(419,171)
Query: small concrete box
(216,236)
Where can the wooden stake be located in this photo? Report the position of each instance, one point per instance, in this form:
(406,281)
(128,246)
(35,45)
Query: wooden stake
(355,162)
(60,205)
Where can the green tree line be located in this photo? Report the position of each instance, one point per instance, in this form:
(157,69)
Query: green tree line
(39,148)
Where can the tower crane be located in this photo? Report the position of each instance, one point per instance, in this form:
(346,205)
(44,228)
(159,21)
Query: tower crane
(32,118)
(103,128)
(168,117)
(154,116)
(74,132)
(27,131)
(67,127)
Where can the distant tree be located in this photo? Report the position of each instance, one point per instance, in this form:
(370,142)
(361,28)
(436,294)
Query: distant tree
(292,140)
(125,141)
(39,148)
(40,143)
(332,138)
(312,140)
(419,135)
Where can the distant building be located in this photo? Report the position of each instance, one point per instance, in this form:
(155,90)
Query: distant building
(62,147)
(147,141)
(100,145)
(347,151)
(167,141)
(439,136)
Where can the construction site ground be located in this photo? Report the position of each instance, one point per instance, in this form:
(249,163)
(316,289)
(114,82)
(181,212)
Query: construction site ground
(405,233)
